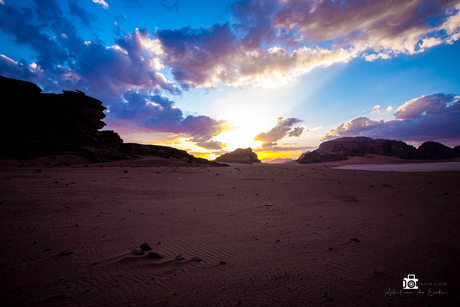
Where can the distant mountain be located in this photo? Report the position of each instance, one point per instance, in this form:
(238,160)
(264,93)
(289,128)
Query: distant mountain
(342,148)
(34,124)
(239,155)
(281,161)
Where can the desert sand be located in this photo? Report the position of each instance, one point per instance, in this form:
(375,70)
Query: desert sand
(283,232)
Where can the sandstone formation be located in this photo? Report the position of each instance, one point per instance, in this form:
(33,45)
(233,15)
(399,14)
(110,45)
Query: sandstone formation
(435,150)
(166,152)
(240,155)
(342,148)
(34,124)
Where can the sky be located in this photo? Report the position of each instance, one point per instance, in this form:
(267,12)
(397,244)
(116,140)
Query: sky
(279,76)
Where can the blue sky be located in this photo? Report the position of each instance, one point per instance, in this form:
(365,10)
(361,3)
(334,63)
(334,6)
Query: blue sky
(277,76)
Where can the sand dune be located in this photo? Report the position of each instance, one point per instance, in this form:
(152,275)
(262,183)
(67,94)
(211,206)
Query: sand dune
(283,230)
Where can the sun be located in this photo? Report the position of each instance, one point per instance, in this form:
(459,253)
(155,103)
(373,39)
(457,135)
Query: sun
(240,137)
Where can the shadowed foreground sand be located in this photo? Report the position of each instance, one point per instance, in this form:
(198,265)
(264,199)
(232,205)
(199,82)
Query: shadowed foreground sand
(283,230)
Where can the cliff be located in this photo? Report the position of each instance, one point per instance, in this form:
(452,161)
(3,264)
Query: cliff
(34,124)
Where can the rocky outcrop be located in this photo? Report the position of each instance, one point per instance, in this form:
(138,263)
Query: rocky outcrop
(342,148)
(140,150)
(435,150)
(34,124)
(240,155)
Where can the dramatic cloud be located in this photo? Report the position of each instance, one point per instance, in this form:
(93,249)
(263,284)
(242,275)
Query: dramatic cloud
(434,117)
(65,59)
(388,27)
(427,105)
(282,129)
(267,43)
(145,112)
(270,40)
(264,43)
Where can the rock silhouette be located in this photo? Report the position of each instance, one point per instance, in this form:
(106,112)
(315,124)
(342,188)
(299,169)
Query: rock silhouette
(239,155)
(36,124)
(342,148)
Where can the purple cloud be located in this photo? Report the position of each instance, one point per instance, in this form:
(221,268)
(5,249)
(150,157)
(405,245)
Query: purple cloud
(77,11)
(145,112)
(272,39)
(64,57)
(212,145)
(434,117)
(378,24)
(194,55)
(282,129)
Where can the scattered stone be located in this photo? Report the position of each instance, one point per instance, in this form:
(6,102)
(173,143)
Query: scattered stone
(145,247)
(195,259)
(354,239)
(66,252)
(137,251)
(180,258)
(154,255)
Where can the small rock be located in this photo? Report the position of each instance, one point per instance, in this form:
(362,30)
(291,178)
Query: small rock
(66,253)
(154,255)
(195,259)
(222,262)
(354,239)
(180,258)
(137,251)
(145,247)
(330,248)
